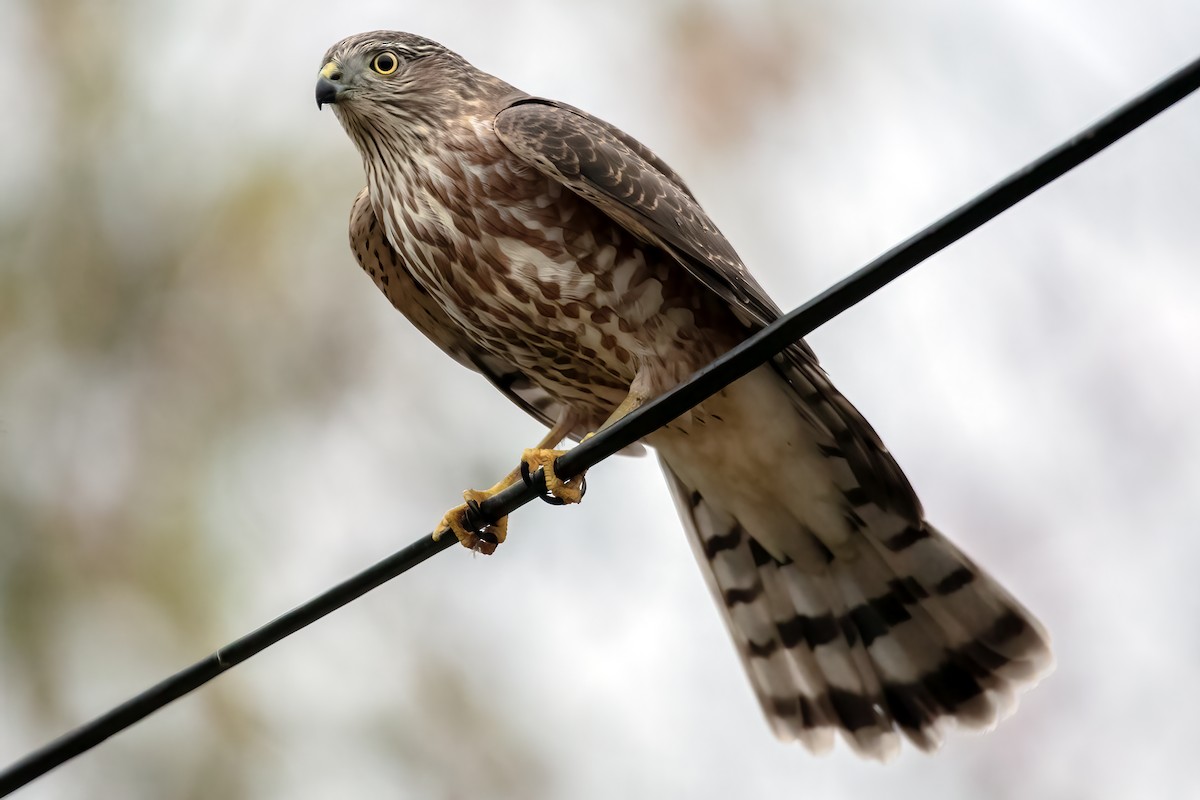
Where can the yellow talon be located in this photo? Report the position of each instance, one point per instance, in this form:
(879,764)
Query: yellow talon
(455,522)
(567,491)
(456,519)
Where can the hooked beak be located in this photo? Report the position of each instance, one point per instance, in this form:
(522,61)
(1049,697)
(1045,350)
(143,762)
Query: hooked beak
(329,84)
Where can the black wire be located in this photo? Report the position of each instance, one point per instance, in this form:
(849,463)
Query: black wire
(92,733)
(708,381)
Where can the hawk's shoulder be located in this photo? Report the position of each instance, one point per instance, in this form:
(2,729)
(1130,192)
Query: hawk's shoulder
(634,187)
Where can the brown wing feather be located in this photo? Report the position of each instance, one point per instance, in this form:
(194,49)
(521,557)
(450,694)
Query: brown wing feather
(634,187)
(626,181)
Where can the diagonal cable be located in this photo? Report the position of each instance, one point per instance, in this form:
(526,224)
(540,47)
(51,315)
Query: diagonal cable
(737,362)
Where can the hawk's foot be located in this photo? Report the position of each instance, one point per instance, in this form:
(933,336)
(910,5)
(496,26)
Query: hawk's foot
(565,492)
(464,522)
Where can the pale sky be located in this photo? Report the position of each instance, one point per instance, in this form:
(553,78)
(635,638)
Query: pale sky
(1037,381)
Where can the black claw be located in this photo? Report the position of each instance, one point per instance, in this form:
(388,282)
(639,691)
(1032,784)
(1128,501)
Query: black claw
(548,497)
(473,518)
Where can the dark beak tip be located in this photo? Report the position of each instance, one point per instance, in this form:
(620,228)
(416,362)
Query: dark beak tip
(327,92)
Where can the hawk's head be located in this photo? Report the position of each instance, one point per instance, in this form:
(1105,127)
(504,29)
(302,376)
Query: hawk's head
(395,84)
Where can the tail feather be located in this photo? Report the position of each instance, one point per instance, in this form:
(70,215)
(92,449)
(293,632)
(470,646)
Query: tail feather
(905,636)
(937,665)
(852,684)
(971,608)
(829,674)
(736,583)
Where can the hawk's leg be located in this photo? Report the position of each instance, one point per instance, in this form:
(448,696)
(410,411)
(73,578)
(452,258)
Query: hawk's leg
(459,520)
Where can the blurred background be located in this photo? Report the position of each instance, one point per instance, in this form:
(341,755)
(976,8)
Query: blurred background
(208,415)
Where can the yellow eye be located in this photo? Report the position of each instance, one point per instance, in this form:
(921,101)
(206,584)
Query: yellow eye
(385,63)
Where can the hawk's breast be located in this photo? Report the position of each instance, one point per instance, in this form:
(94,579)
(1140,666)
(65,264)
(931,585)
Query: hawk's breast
(540,277)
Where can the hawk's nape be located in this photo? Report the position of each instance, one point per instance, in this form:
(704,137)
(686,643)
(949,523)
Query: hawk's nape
(562,259)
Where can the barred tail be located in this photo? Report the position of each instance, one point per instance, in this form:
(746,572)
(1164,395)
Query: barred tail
(903,635)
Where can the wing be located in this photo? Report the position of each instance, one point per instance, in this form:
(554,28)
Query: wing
(630,184)
(380,260)
(634,187)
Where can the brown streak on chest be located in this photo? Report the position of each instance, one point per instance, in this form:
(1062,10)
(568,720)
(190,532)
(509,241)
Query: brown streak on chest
(539,276)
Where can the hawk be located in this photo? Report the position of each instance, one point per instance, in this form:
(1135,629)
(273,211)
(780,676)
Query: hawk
(569,265)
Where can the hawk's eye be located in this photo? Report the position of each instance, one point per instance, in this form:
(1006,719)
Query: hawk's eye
(385,63)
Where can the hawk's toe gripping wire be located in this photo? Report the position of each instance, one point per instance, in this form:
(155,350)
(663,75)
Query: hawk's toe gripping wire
(468,526)
(466,521)
(558,491)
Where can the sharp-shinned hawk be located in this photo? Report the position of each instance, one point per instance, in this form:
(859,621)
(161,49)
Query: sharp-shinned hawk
(563,260)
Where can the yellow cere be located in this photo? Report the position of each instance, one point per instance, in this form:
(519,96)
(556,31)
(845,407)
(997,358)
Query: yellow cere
(329,69)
